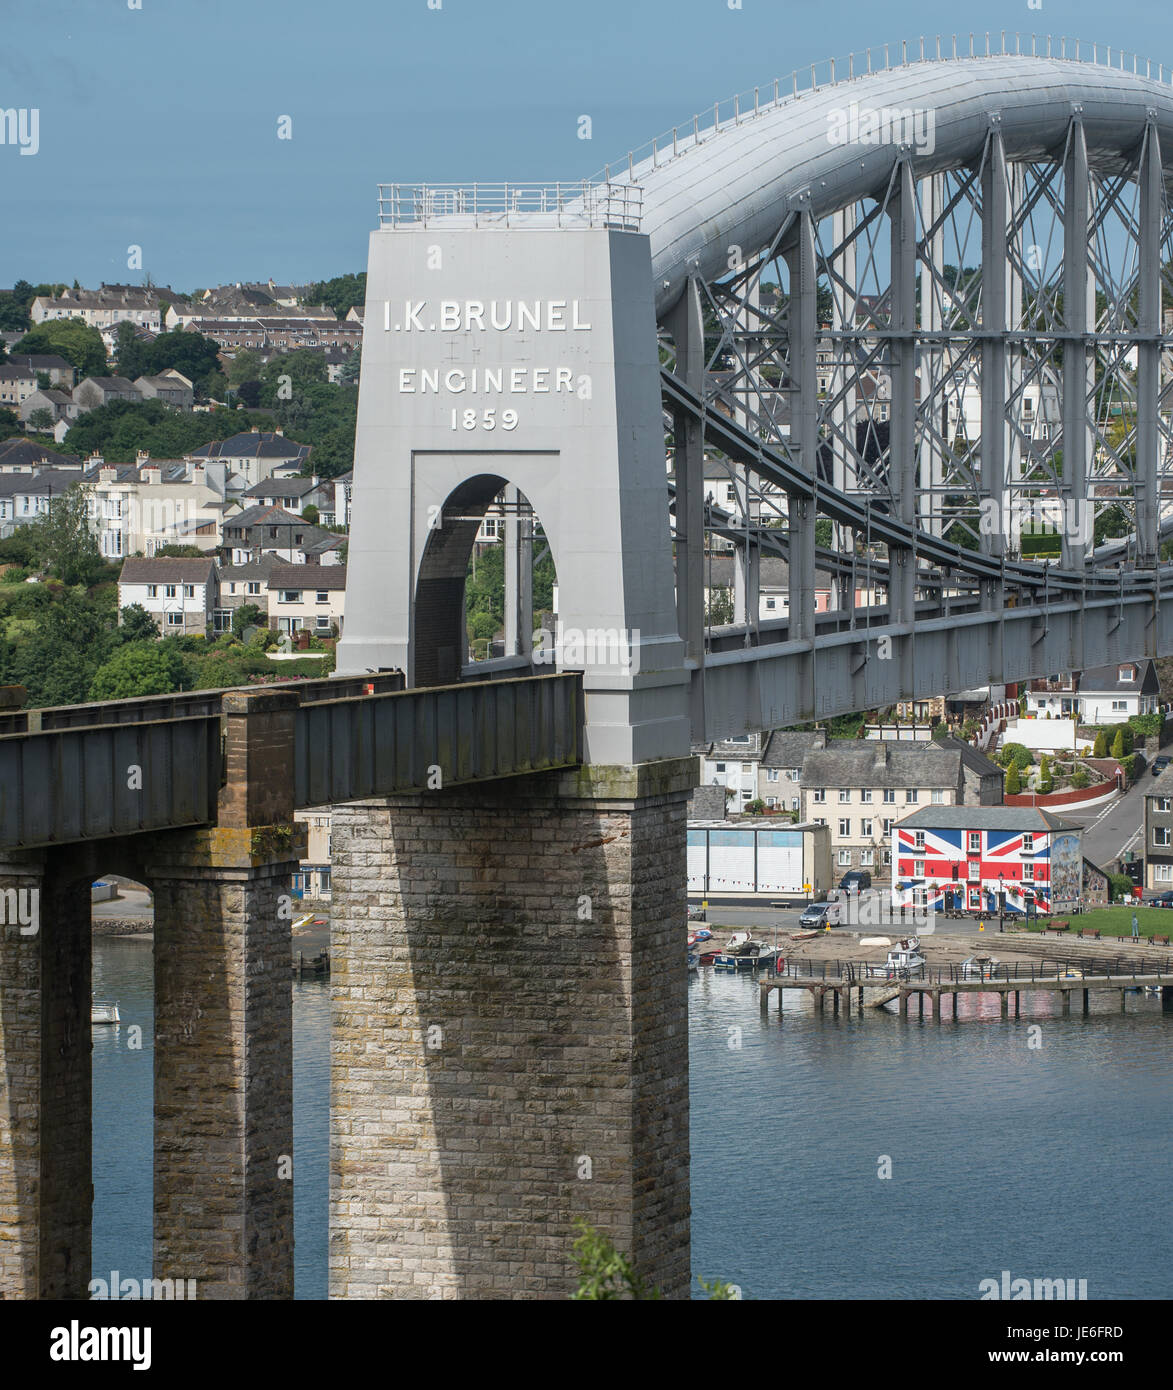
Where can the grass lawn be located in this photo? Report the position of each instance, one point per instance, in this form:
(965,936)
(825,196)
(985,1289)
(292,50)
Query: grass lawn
(1117,921)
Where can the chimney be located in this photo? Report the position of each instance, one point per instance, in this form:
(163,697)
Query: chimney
(141,457)
(152,474)
(279,432)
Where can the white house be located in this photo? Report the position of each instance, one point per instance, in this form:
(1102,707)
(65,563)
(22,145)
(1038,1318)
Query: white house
(310,598)
(180,594)
(1101,695)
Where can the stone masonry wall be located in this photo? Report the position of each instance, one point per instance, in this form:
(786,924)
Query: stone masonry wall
(223,1067)
(45,1087)
(510,1034)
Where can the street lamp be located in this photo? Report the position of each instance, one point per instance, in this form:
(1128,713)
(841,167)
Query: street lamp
(1001,903)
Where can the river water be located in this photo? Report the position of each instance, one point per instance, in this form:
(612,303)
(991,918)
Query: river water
(1049,1160)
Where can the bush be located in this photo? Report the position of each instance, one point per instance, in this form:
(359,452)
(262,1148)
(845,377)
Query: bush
(1013,781)
(1101,745)
(756,807)
(1118,745)
(1080,779)
(1121,886)
(1015,753)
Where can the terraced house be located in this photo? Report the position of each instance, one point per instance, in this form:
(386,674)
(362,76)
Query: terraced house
(862,788)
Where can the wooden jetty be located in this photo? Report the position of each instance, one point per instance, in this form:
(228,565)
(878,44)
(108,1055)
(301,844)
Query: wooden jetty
(871,986)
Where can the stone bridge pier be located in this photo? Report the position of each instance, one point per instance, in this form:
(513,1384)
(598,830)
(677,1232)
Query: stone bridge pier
(510,1048)
(223,1197)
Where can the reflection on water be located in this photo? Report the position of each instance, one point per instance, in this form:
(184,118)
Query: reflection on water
(1048,1161)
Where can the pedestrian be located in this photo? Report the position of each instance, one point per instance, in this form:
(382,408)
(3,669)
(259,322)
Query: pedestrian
(1135,927)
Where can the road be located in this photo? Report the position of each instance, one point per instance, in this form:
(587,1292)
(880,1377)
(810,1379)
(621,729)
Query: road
(1114,827)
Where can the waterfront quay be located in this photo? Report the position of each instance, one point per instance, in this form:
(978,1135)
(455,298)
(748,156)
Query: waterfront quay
(871,985)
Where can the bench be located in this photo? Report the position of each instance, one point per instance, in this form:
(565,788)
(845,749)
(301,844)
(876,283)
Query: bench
(1090,931)
(1057,927)
(1159,940)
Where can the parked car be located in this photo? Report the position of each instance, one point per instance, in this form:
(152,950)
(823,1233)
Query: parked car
(819,915)
(1162,900)
(696,914)
(856,880)
(1160,764)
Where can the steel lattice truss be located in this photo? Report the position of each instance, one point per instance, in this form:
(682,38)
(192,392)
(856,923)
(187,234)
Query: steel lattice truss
(1034,295)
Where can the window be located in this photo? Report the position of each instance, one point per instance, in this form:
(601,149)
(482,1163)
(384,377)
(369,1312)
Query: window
(975,842)
(1163,873)
(910,796)
(844,826)
(844,795)
(720,767)
(887,824)
(771,604)
(867,858)
(771,774)
(152,591)
(1119,705)
(918,868)
(845,859)
(1161,835)
(865,829)
(323,622)
(253,587)
(975,871)
(1028,843)
(1163,803)
(169,591)
(1127,673)
(820,821)
(290,596)
(865,795)
(174,619)
(918,839)
(889,797)
(232,588)
(819,794)
(189,591)
(938,796)
(794,774)
(886,859)
(1028,873)
(794,804)
(323,596)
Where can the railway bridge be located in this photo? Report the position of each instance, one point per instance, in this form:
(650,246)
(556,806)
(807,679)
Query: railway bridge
(892,318)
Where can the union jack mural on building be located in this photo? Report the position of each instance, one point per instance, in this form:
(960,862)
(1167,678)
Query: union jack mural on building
(961,858)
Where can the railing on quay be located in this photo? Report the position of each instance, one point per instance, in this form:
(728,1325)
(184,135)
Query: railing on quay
(1099,970)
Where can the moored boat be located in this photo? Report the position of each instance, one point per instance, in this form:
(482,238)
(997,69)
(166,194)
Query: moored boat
(104,1011)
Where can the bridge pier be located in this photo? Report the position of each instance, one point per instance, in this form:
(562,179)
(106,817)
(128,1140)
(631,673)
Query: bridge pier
(506,1057)
(223,1198)
(46,1195)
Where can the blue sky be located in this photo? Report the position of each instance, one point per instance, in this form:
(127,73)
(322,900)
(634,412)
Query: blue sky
(158,126)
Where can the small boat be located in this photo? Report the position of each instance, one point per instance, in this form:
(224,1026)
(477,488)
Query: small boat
(104,1011)
(305,921)
(693,961)
(804,935)
(745,955)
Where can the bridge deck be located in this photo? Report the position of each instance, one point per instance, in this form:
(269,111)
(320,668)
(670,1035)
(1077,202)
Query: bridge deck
(90,772)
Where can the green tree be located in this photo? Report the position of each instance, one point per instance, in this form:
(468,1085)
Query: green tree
(139,668)
(64,541)
(41,418)
(56,660)
(248,615)
(137,625)
(246,365)
(1013,782)
(1100,748)
(349,372)
(341,294)
(1118,750)
(310,513)
(72,339)
(1046,783)
(185,552)
(720,607)
(130,352)
(10,425)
